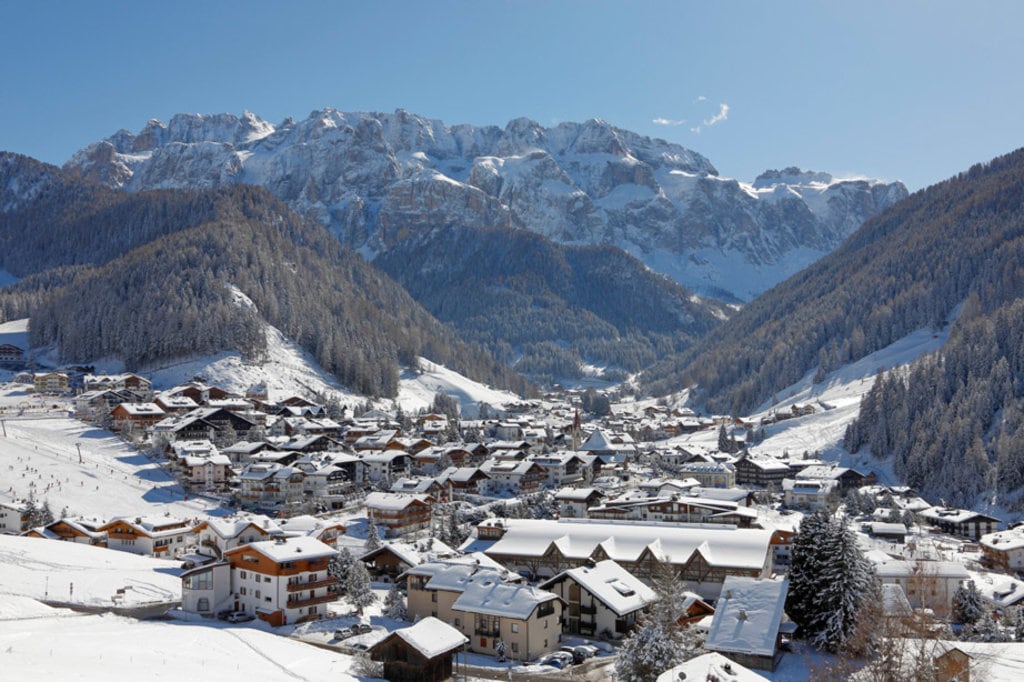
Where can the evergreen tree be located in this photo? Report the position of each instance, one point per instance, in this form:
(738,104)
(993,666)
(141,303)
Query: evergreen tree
(967,604)
(339,565)
(394,604)
(373,540)
(357,587)
(830,579)
(45,514)
(646,653)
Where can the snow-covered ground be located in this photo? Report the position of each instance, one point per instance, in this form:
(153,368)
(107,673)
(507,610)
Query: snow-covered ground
(115,649)
(417,389)
(82,574)
(40,455)
(14,332)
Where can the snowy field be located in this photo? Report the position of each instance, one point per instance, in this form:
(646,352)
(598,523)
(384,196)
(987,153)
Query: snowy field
(81,574)
(417,389)
(116,649)
(39,455)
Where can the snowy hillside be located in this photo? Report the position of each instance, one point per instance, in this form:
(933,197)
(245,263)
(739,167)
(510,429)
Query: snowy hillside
(417,390)
(377,178)
(836,401)
(40,455)
(74,573)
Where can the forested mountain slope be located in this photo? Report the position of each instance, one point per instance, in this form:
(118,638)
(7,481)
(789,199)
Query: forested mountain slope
(905,269)
(519,292)
(170,295)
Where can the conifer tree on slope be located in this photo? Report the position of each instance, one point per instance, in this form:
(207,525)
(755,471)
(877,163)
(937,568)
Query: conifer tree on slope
(357,587)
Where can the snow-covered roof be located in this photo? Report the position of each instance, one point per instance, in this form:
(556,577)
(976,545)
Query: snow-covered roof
(406,552)
(611,584)
(234,526)
(626,541)
(392,501)
(291,549)
(711,666)
(747,616)
(577,494)
(906,569)
(1004,540)
(432,637)
(487,594)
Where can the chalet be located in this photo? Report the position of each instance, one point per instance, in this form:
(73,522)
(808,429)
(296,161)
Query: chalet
(481,604)
(385,439)
(574,502)
(175,404)
(200,392)
(98,403)
(810,493)
(15,517)
(846,478)
(760,471)
(398,514)
(385,465)
(9,353)
(279,581)
(210,472)
(118,382)
(310,443)
(508,449)
(421,486)
(962,522)
(469,480)
(271,484)
(513,475)
(391,559)
(328,484)
(600,599)
(189,426)
(304,525)
(54,383)
(141,416)
(710,474)
(747,623)
(890,532)
(223,420)
(420,653)
(703,555)
(81,530)
(413,446)
(564,468)
(244,450)
(160,536)
(1004,550)
(218,535)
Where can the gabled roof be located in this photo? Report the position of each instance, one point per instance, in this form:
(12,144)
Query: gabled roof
(747,616)
(487,594)
(612,585)
(431,637)
(288,549)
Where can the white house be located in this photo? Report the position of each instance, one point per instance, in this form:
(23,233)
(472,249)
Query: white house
(601,599)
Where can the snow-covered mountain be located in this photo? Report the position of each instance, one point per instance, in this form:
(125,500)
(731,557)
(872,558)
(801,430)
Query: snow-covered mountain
(376,178)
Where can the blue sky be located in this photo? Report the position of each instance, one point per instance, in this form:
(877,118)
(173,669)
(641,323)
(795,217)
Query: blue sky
(909,90)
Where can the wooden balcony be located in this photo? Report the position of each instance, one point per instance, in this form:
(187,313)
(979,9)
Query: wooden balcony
(299,603)
(298,587)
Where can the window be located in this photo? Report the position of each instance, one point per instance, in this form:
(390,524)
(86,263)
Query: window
(312,609)
(545,623)
(458,622)
(241,591)
(266,599)
(203,604)
(515,647)
(257,594)
(545,644)
(433,596)
(515,627)
(266,578)
(242,575)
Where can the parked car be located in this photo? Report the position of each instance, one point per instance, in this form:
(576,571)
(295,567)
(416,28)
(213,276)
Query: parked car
(344,633)
(577,656)
(558,659)
(587,650)
(362,628)
(240,617)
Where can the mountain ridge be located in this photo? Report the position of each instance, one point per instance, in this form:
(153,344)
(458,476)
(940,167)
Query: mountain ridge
(374,178)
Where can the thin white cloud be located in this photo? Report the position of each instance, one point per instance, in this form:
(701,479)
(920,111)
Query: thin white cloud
(700,98)
(723,114)
(695,130)
(668,121)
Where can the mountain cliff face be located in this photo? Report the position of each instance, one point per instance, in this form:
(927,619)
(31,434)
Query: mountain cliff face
(376,179)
